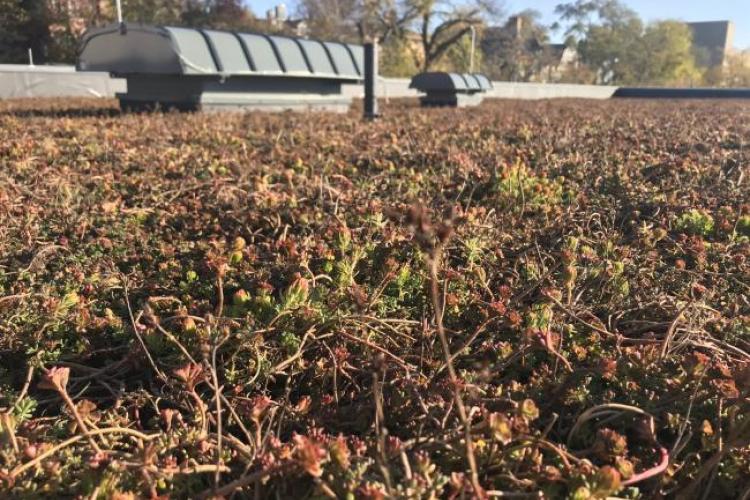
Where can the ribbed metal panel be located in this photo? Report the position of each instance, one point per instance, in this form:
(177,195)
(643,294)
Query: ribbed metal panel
(262,54)
(440,81)
(142,49)
(454,82)
(484,82)
(471,82)
(343,59)
(317,57)
(450,89)
(193,51)
(229,51)
(358,55)
(290,53)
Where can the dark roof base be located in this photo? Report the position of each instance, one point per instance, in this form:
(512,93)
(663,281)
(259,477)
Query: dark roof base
(450,99)
(681,93)
(150,92)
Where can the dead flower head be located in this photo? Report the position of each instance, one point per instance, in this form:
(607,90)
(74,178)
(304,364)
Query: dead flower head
(55,379)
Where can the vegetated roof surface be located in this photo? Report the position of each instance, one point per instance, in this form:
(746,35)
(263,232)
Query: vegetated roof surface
(589,262)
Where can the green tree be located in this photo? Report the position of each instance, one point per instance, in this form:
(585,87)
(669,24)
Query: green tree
(612,50)
(13,39)
(458,57)
(611,44)
(614,43)
(734,73)
(24,25)
(168,12)
(218,14)
(667,57)
(582,15)
(398,58)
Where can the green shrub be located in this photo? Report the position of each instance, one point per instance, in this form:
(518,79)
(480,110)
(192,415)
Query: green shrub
(518,184)
(743,226)
(695,222)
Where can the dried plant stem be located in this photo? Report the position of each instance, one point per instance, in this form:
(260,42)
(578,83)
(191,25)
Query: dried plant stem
(243,481)
(514,494)
(174,340)
(556,351)
(615,408)
(737,439)
(5,423)
(203,411)
(465,346)
(400,362)
(26,384)
(596,411)
(217,391)
(377,394)
(578,318)
(220,291)
(433,264)
(237,419)
(79,420)
(97,432)
(195,469)
(158,372)
(671,330)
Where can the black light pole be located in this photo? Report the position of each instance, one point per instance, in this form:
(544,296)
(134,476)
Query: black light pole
(371,78)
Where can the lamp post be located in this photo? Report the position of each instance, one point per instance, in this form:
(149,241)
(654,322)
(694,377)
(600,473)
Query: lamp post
(371,79)
(473,45)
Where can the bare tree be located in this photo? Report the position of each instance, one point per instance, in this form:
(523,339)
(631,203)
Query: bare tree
(364,20)
(519,50)
(330,18)
(441,24)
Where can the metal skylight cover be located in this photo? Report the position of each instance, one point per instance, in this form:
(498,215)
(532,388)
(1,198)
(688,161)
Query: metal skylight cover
(261,53)
(229,51)
(142,49)
(439,81)
(451,89)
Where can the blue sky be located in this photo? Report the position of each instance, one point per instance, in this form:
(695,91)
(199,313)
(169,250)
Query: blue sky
(686,10)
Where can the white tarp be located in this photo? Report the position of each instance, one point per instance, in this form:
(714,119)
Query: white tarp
(18,80)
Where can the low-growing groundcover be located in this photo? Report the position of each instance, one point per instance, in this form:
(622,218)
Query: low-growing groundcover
(526,299)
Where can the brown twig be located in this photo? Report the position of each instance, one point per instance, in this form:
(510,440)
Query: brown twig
(432,264)
(57,379)
(26,384)
(400,362)
(603,331)
(158,372)
(671,330)
(243,481)
(380,430)
(217,392)
(7,424)
(96,432)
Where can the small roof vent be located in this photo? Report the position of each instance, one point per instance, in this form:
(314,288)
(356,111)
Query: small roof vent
(451,89)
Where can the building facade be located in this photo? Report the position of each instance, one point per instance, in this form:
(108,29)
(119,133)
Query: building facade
(712,42)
